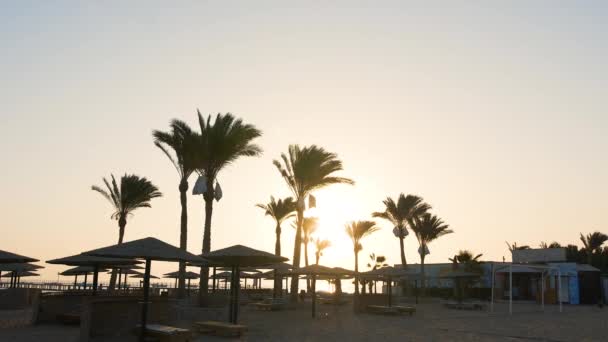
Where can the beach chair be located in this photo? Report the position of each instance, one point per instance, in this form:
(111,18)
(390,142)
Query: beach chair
(382,309)
(165,333)
(220,328)
(270,304)
(406,309)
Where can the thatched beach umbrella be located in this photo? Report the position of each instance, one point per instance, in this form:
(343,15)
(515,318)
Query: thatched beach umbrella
(148,249)
(236,257)
(15,269)
(79,270)
(388,274)
(98,263)
(318,270)
(8,257)
(188,275)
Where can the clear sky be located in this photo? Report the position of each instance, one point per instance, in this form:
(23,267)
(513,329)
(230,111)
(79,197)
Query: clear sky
(496,115)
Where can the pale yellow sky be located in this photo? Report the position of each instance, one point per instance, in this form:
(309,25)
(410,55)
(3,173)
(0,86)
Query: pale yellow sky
(496,116)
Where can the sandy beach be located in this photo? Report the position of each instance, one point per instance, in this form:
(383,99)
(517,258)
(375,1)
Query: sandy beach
(432,322)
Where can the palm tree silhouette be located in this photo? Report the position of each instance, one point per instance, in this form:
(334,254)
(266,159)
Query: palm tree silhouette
(220,144)
(134,192)
(357,230)
(280,211)
(306,169)
(427,229)
(309,227)
(593,243)
(402,214)
(375,263)
(320,246)
(181,140)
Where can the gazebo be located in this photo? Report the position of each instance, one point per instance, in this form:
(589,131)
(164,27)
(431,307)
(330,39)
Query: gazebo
(147,249)
(98,263)
(236,257)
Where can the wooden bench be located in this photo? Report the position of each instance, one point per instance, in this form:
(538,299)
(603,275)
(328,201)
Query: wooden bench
(165,333)
(465,306)
(220,328)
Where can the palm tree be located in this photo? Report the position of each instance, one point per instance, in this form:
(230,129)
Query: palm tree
(357,230)
(182,141)
(471,264)
(134,192)
(375,263)
(306,169)
(593,243)
(402,214)
(320,245)
(513,247)
(220,144)
(280,211)
(554,245)
(427,229)
(309,227)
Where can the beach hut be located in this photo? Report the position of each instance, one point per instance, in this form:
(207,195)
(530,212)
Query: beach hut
(236,257)
(147,249)
(98,264)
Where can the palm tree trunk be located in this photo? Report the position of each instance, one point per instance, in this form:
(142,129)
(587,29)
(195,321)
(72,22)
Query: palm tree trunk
(204,276)
(308,285)
(122,223)
(317,257)
(296,255)
(403,261)
(183,236)
(278,282)
(423,280)
(403,264)
(356,272)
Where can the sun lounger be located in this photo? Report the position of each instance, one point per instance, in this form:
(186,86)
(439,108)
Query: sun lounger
(165,333)
(381,309)
(332,301)
(405,309)
(269,304)
(220,328)
(465,306)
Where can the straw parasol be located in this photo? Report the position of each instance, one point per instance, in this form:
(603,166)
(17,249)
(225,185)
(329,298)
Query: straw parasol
(148,249)
(388,274)
(8,257)
(21,274)
(16,269)
(319,270)
(188,275)
(98,263)
(238,256)
(79,270)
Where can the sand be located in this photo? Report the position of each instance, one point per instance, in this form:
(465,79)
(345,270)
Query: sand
(432,322)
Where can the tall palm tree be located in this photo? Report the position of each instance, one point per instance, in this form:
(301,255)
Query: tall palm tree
(280,211)
(513,246)
(320,246)
(134,192)
(309,227)
(375,263)
(179,145)
(427,229)
(401,214)
(220,144)
(593,243)
(306,169)
(357,230)
(471,264)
